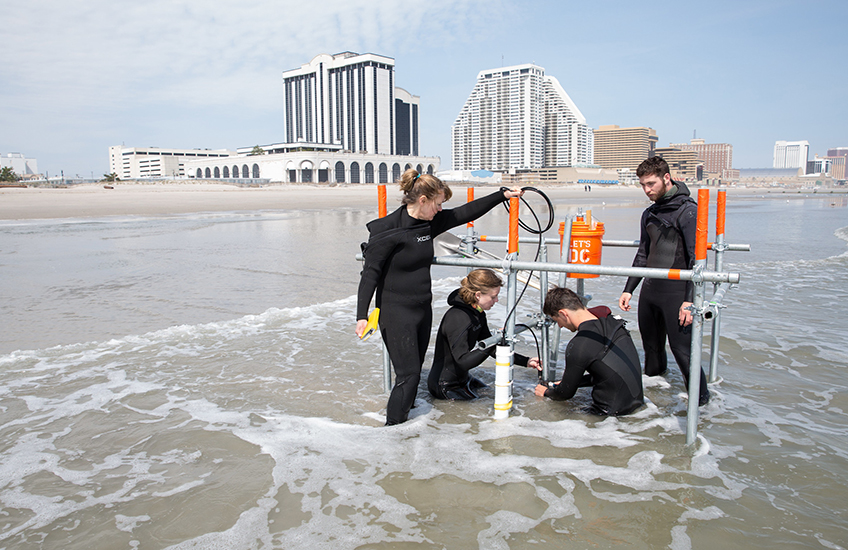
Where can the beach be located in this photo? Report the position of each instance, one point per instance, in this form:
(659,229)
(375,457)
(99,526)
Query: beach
(178,369)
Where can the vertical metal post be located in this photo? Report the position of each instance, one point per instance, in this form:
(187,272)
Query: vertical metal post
(503,367)
(382,210)
(543,290)
(718,249)
(469,229)
(697,317)
(387,370)
(564,257)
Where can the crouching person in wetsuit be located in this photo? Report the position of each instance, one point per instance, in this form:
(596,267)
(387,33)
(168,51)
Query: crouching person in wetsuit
(600,355)
(461,328)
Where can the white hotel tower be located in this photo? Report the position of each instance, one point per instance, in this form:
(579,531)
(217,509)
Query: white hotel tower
(518,118)
(350,100)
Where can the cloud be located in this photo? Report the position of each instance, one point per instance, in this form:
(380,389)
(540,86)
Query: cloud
(106,53)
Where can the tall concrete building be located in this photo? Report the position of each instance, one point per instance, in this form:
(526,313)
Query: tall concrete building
(839,166)
(350,100)
(791,154)
(683,165)
(717,157)
(517,118)
(619,148)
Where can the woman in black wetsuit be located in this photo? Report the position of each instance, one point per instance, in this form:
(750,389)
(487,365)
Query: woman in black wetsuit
(398,256)
(461,328)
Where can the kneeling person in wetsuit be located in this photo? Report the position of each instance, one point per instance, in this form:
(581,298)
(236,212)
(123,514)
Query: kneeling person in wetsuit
(461,328)
(600,355)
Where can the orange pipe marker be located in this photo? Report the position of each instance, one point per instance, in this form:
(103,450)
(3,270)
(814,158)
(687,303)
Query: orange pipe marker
(513,225)
(381,201)
(722,203)
(703,224)
(470,197)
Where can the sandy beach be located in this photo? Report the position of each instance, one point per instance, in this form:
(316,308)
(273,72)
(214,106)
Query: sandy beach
(138,199)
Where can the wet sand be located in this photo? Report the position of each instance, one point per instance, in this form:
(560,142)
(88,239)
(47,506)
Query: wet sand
(142,199)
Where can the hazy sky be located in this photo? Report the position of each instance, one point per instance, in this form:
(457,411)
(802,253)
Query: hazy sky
(77,77)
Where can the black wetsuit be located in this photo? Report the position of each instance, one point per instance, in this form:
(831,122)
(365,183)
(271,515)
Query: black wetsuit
(666,240)
(397,266)
(456,353)
(602,355)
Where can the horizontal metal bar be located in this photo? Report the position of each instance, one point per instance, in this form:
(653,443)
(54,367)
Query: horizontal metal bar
(604,242)
(645,272)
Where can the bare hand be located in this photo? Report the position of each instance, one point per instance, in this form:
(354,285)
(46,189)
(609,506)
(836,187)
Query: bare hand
(684,316)
(534,363)
(360,327)
(513,193)
(540,390)
(624,301)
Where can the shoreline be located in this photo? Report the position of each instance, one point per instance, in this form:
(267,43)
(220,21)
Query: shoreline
(152,199)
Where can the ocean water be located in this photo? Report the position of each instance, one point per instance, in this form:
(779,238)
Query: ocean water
(194,382)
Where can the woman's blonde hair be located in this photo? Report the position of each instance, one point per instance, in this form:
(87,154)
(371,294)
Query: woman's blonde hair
(479,280)
(415,185)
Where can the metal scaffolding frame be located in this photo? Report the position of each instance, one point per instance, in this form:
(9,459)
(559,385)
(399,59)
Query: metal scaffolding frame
(702,309)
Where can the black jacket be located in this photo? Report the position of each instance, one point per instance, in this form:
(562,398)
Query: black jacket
(667,237)
(399,253)
(460,330)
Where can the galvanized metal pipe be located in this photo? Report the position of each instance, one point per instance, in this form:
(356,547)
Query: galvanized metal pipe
(543,290)
(387,370)
(644,272)
(605,242)
(719,249)
(697,317)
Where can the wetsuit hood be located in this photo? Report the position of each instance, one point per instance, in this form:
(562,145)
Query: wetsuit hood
(456,301)
(675,199)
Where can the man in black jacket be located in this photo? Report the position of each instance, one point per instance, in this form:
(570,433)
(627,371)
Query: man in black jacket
(666,240)
(600,355)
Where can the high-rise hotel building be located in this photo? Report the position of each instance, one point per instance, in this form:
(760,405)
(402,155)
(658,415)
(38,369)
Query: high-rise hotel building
(519,118)
(623,148)
(791,154)
(350,100)
(717,157)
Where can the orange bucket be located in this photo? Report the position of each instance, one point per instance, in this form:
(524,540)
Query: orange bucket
(586,235)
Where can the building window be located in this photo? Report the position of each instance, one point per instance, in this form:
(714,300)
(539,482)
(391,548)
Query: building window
(256,171)
(340,172)
(396,172)
(354,172)
(226,171)
(323,175)
(199,173)
(245,172)
(235,171)
(208,173)
(292,176)
(384,173)
(217,172)
(369,173)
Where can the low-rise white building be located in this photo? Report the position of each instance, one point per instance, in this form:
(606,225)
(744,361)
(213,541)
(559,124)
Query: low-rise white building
(309,163)
(19,164)
(154,162)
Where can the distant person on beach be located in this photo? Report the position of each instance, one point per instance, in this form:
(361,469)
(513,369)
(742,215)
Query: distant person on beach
(601,356)
(398,256)
(461,328)
(666,240)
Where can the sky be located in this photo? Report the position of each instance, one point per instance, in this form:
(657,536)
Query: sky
(77,77)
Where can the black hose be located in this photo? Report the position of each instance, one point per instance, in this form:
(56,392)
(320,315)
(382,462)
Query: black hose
(535,231)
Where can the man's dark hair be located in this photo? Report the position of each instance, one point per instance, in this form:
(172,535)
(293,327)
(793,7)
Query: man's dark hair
(654,166)
(561,298)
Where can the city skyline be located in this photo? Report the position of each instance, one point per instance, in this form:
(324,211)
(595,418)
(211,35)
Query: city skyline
(78,78)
